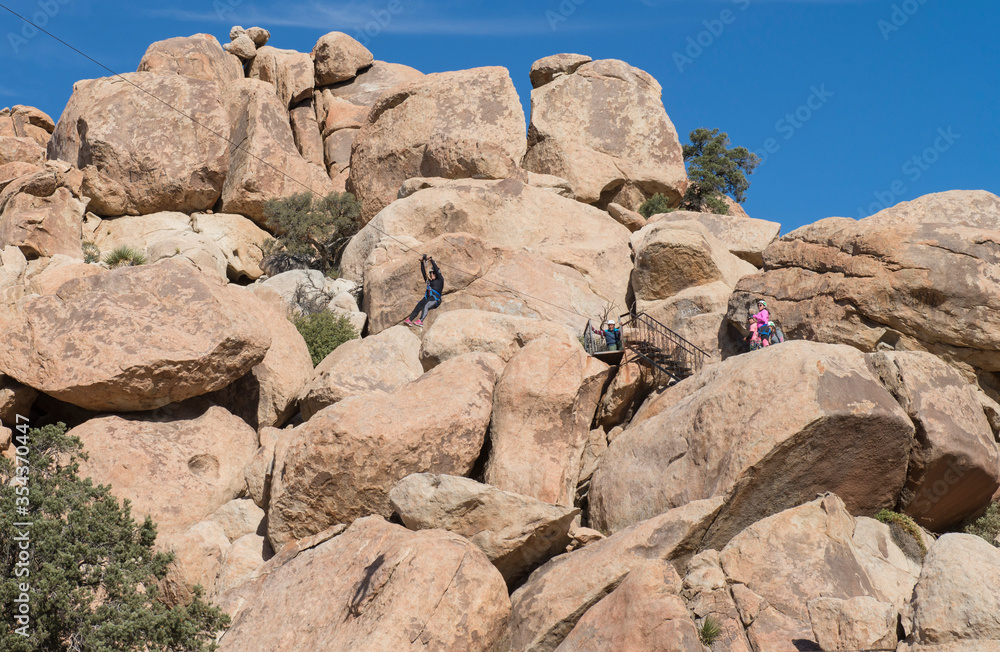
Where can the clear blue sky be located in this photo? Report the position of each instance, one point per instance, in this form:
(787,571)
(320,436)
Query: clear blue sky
(908,98)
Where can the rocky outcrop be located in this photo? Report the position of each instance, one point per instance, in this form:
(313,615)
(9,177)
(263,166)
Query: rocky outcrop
(463,331)
(954,465)
(629,219)
(388,589)
(138,155)
(372,83)
(306,132)
(289,72)
(178,464)
(27,122)
(548,68)
(380,363)
(266,164)
(516,532)
(198,553)
(603,128)
(457,125)
(339,465)
(21,150)
(823,424)
(197,57)
(860,623)
(42,214)
(545,402)
(338,58)
(14,170)
(239,239)
(745,237)
(195,335)
(159,236)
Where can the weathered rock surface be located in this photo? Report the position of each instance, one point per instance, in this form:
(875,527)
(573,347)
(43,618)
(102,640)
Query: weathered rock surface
(379,363)
(461,124)
(955,462)
(372,83)
(516,532)
(745,237)
(823,424)
(956,600)
(917,276)
(238,518)
(629,219)
(860,623)
(267,164)
(306,133)
(14,170)
(341,464)
(245,556)
(15,399)
(239,239)
(545,402)
(338,58)
(138,155)
(632,382)
(197,335)
(241,47)
(388,589)
(554,598)
(42,214)
(463,331)
(708,595)
(198,552)
(21,150)
(162,235)
(21,121)
(178,464)
(545,70)
(603,128)
(288,71)
(643,614)
(198,57)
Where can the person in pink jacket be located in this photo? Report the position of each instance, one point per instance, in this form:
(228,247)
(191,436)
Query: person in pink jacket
(759,321)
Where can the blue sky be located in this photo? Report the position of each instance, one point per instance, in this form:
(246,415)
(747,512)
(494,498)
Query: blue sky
(856,104)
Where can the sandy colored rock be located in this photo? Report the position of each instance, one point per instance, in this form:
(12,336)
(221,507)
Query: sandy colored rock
(380,363)
(830,426)
(305,130)
(603,128)
(12,171)
(673,256)
(258,35)
(516,532)
(388,589)
(288,71)
(42,214)
(745,237)
(643,614)
(241,561)
(708,595)
(21,150)
(553,599)
(15,399)
(372,83)
(198,57)
(197,336)
(892,570)
(956,599)
(338,58)
(178,464)
(241,47)
(337,150)
(545,70)
(61,269)
(954,466)
(463,331)
(340,465)
(545,402)
(632,382)
(239,518)
(259,469)
(341,114)
(198,556)
(860,623)
(239,239)
(259,123)
(461,124)
(30,115)
(143,156)
(629,219)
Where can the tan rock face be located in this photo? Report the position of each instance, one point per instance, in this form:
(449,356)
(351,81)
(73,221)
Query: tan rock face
(766,440)
(373,83)
(516,532)
(12,171)
(15,149)
(860,623)
(22,121)
(143,156)
(197,336)
(238,518)
(956,600)
(632,382)
(553,599)
(198,57)
(918,276)
(545,402)
(338,58)
(340,465)
(259,123)
(461,124)
(379,363)
(745,237)
(643,614)
(388,589)
(603,128)
(629,219)
(463,331)
(955,462)
(337,150)
(15,399)
(545,70)
(241,561)
(42,214)
(288,71)
(239,239)
(177,465)
(341,114)
(199,553)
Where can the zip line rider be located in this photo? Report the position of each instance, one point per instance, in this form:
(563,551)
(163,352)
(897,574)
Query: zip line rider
(432,295)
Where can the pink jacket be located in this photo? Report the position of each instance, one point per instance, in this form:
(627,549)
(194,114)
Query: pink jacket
(762,317)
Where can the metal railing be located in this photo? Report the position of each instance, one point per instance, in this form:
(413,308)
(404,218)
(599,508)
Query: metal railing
(654,343)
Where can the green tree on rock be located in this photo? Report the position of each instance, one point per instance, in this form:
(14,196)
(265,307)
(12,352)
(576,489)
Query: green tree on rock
(715,170)
(311,229)
(91,574)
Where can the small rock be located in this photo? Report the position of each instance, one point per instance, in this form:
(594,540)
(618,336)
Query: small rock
(243,47)
(259,36)
(630,219)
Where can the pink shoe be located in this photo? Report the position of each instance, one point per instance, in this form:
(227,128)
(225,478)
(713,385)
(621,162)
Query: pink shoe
(408,322)
(418,322)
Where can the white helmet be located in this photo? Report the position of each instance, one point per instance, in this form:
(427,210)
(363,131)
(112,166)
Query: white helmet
(611,321)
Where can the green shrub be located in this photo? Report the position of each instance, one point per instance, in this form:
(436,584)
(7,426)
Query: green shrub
(124,256)
(709,631)
(310,230)
(655,205)
(987,526)
(324,332)
(91,253)
(92,573)
(906,524)
(715,170)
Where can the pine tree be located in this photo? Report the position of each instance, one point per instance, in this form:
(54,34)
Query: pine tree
(311,229)
(716,170)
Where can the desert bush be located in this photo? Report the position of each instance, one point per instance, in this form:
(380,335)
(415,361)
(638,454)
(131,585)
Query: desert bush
(324,332)
(91,575)
(91,252)
(715,170)
(124,256)
(709,631)
(906,525)
(310,230)
(655,205)
(987,526)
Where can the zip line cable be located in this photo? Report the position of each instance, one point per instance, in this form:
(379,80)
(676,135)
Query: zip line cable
(269,165)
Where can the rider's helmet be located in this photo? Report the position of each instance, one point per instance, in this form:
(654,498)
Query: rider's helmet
(761,302)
